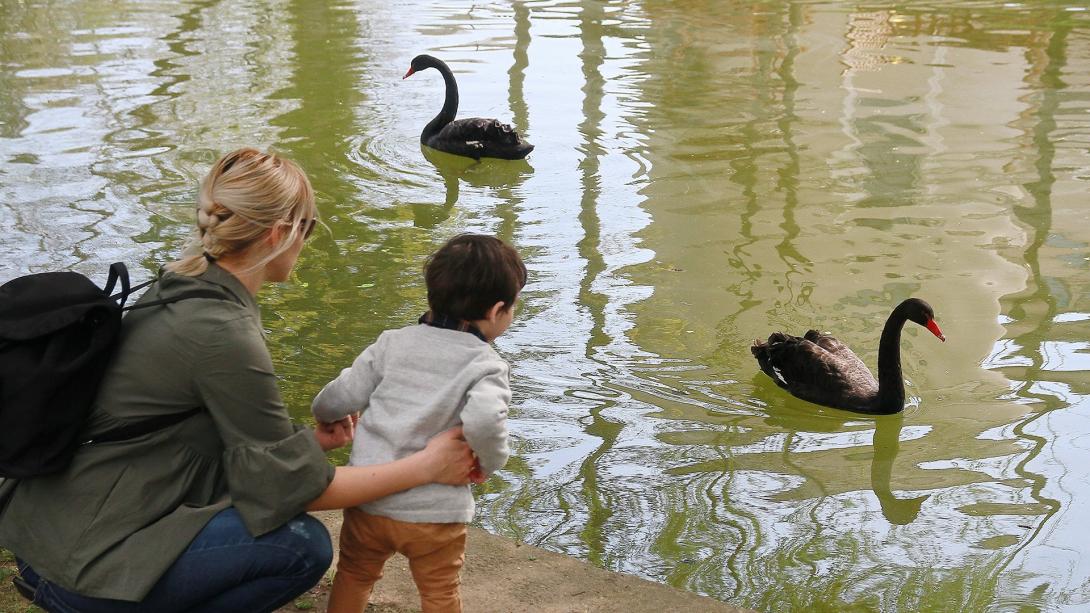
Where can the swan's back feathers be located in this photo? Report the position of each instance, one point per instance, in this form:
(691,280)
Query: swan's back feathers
(479,128)
(479,137)
(827,342)
(817,368)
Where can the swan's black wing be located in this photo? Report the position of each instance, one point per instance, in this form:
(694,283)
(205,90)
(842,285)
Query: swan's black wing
(817,368)
(836,348)
(477,137)
(480,129)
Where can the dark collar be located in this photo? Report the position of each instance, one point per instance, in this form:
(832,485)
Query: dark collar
(450,323)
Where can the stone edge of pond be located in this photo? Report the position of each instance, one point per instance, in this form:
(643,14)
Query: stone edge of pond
(503,575)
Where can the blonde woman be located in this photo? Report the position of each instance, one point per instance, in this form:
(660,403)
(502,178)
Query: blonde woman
(207,514)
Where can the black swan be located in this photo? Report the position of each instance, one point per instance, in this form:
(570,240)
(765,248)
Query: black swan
(474,137)
(820,369)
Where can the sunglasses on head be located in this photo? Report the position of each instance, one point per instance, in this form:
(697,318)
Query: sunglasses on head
(306,226)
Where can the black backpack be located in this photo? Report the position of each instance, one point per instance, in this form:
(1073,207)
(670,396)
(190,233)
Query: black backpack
(57,333)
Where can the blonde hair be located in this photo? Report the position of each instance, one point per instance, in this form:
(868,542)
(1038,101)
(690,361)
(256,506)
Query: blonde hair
(242,198)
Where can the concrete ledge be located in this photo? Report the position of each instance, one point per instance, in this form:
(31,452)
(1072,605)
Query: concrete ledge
(503,576)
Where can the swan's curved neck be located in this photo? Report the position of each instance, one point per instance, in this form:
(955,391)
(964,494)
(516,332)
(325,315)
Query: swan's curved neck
(450,104)
(891,384)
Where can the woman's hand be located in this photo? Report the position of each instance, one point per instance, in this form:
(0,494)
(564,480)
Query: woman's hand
(448,458)
(336,434)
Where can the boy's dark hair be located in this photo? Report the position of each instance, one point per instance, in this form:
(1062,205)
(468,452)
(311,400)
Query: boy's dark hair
(471,273)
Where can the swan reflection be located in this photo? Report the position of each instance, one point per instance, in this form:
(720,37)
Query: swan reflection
(499,175)
(886,443)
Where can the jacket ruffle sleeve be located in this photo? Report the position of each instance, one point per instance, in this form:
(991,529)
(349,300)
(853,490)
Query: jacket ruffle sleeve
(273,468)
(271,483)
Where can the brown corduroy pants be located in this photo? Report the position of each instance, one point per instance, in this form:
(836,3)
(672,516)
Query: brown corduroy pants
(436,553)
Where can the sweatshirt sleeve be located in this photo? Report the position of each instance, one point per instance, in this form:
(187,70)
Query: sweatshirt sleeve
(351,391)
(484,417)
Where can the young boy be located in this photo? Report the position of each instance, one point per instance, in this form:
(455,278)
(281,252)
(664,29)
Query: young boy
(412,384)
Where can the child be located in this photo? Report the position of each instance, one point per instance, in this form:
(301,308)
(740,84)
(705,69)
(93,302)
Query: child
(411,384)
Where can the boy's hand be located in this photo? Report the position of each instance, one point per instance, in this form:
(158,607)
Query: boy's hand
(336,434)
(476,475)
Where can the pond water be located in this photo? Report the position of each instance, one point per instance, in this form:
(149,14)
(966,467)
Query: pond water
(706,172)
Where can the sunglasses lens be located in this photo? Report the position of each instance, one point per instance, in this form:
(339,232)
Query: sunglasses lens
(308,227)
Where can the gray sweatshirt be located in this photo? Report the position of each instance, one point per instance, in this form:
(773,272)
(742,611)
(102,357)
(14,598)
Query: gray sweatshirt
(412,384)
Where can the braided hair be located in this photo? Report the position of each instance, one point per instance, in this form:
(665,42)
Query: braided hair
(244,195)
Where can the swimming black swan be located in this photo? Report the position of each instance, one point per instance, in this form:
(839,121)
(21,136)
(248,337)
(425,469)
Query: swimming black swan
(474,137)
(820,369)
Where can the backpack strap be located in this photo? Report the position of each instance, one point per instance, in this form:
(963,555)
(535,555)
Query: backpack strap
(118,272)
(197,293)
(141,428)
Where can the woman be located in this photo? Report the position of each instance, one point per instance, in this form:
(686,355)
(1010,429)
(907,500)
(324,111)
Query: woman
(206,514)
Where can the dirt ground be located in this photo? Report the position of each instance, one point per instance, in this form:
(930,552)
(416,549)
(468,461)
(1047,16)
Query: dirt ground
(501,576)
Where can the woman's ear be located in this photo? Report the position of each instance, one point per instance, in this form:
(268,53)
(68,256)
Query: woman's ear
(276,234)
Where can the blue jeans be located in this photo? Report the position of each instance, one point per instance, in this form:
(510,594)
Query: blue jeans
(224,569)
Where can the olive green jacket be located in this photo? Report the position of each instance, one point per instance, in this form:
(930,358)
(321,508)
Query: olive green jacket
(113,522)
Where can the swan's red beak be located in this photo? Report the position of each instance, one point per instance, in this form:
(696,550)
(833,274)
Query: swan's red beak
(934,328)
(409,74)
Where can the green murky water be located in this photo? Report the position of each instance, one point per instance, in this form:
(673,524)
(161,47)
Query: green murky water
(706,172)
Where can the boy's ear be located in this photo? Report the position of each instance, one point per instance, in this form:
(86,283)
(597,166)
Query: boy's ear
(494,312)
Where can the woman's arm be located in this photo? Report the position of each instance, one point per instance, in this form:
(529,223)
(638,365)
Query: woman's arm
(446,459)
